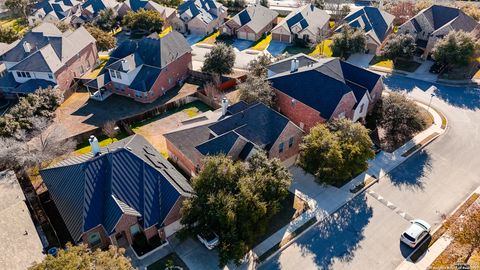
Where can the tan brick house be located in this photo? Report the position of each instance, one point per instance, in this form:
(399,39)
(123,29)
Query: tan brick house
(250,23)
(242,130)
(311,91)
(118,193)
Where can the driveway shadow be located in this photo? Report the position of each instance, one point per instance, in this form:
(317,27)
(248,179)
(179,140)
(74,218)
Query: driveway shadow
(410,174)
(336,238)
(462,97)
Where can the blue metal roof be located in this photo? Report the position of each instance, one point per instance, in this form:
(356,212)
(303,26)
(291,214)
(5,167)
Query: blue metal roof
(99,190)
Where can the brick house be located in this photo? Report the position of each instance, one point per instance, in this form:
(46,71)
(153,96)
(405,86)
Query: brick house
(435,22)
(91,8)
(46,57)
(250,23)
(200,17)
(117,193)
(54,11)
(238,132)
(376,23)
(310,91)
(307,23)
(146,69)
(168,14)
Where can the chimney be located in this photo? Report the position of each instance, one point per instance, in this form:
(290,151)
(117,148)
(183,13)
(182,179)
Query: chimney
(27,47)
(94,144)
(297,63)
(125,65)
(224,106)
(294,65)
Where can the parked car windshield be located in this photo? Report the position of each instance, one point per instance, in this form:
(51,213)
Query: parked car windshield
(409,237)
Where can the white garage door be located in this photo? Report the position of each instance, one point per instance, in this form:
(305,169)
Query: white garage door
(242,35)
(251,36)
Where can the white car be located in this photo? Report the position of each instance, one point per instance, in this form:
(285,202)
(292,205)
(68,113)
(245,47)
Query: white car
(209,239)
(418,230)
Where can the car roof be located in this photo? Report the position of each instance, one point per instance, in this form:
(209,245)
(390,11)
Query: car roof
(415,229)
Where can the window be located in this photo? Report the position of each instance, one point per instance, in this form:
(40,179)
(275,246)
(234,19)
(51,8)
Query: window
(290,142)
(361,108)
(19,74)
(50,75)
(94,239)
(119,75)
(112,73)
(281,147)
(134,230)
(28,74)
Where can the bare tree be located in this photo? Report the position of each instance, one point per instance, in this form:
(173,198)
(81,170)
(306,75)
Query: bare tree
(466,230)
(9,150)
(109,129)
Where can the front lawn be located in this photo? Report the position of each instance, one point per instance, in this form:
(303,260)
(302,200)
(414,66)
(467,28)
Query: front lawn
(165,31)
(381,62)
(400,64)
(170,260)
(211,38)
(296,50)
(262,43)
(463,73)
(323,48)
(18,24)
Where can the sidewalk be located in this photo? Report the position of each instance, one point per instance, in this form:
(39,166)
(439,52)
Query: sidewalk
(324,200)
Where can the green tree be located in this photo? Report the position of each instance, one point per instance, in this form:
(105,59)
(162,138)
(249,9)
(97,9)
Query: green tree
(63,26)
(399,46)
(336,152)
(399,117)
(258,66)
(8,35)
(236,200)
(257,89)
(264,3)
(106,20)
(348,41)
(81,258)
(455,49)
(18,7)
(219,60)
(169,3)
(105,40)
(143,22)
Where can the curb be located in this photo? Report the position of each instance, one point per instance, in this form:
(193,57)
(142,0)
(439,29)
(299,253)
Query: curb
(358,193)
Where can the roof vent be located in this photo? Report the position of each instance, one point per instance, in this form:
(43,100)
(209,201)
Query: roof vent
(224,106)
(95,146)
(27,47)
(294,65)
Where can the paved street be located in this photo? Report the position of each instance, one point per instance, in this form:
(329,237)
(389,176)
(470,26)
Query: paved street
(428,185)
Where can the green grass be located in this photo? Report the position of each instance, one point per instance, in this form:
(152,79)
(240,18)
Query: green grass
(406,65)
(326,51)
(295,50)
(171,258)
(18,24)
(191,109)
(84,147)
(262,43)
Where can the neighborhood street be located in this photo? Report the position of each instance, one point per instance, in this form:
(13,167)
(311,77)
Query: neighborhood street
(429,185)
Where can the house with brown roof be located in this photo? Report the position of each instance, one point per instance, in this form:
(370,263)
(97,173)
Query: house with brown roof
(237,131)
(435,22)
(250,23)
(46,57)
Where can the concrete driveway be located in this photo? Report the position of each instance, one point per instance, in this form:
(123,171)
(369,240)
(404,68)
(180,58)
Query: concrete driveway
(241,60)
(360,59)
(276,48)
(433,182)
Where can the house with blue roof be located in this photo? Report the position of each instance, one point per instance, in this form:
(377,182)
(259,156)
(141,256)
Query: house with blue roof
(91,8)
(376,23)
(115,194)
(251,23)
(307,23)
(168,14)
(435,22)
(45,57)
(311,91)
(200,17)
(238,132)
(145,69)
(54,11)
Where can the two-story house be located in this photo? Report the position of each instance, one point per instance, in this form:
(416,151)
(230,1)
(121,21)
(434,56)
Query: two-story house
(46,57)
(54,11)
(311,91)
(435,22)
(146,69)
(168,14)
(307,23)
(251,23)
(200,17)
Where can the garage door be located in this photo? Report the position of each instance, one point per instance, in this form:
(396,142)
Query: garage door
(242,35)
(281,38)
(251,36)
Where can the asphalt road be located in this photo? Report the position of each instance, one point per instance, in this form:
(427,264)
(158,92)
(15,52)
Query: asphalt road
(432,183)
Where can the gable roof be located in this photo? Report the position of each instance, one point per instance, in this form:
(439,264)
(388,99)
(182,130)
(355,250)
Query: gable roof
(129,177)
(322,85)
(56,8)
(307,17)
(50,49)
(203,9)
(256,17)
(372,20)
(438,17)
(95,6)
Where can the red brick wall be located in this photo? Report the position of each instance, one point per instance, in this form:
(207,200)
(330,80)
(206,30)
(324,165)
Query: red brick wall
(151,232)
(103,236)
(376,94)
(345,105)
(298,114)
(290,131)
(72,68)
(179,158)
(124,224)
(175,71)
(174,213)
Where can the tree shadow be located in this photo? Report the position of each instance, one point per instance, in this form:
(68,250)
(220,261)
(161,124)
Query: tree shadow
(409,174)
(461,96)
(335,238)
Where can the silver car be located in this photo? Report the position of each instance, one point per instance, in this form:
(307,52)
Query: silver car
(209,239)
(418,230)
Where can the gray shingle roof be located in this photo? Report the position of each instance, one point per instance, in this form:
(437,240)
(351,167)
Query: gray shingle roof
(307,16)
(256,17)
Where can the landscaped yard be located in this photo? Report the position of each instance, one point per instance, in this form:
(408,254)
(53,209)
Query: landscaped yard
(211,38)
(165,31)
(170,260)
(401,64)
(103,141)
(463,73)
(262,43)
(323,48)
(16,23)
